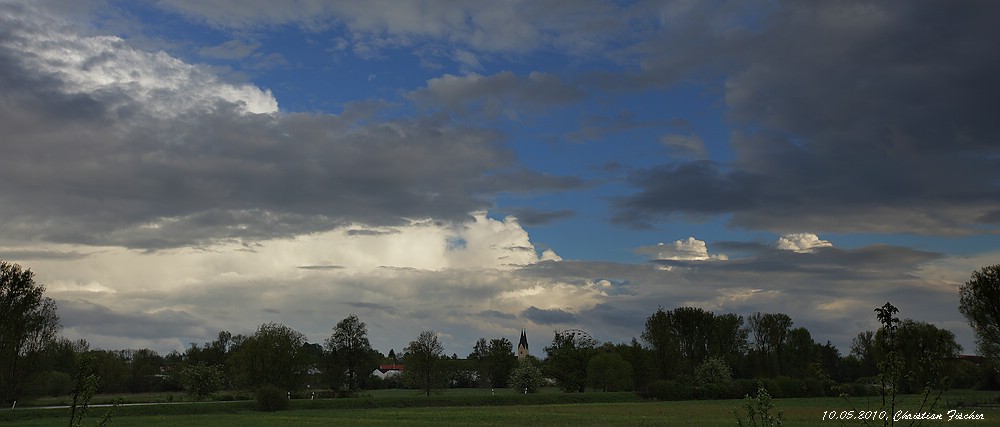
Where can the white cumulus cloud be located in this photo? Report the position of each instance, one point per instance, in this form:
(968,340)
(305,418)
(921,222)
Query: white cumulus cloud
(801,242)
(689,249)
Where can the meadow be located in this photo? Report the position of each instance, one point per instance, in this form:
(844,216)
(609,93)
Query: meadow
(476,407)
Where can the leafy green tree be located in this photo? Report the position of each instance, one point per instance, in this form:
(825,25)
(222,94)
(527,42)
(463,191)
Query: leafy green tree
(829,363)
(865,349)
(895,343)
(692,328)
(62,355)
(272,355)
(214,353)
(28,324)
(799,353)
(979,302)
(143,366)
(567,358)
(493,361)
(770,334)
(658,335)
(921,349)
(682,338)
(113,370)
(424,365)
(640,359)
(350,344)
(728,338)
(608,371)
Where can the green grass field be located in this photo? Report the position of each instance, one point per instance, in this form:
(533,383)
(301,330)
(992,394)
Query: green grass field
(459,408)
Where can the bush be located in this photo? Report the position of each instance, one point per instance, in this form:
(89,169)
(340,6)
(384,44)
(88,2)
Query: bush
(790,387)
(714,370)
(745,387)
(669,390)
(756,411)
(201,380)
(526,377)
(271,398)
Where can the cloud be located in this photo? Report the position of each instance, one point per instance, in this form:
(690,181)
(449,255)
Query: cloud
(801,242)
(107,71)
(895,139)
(501,93)
(321,267)
(551,316)
(90,319)
(532,216)
(685,146)
(511,27)
(690,249)
(110,145)
(550,255)
(113,296)
(681,253)
(595,127)
(20,255)
(694,189)
(233,49)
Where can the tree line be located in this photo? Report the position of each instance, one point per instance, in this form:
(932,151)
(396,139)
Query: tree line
(685,352)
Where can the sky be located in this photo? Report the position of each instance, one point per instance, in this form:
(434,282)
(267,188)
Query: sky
(170,169)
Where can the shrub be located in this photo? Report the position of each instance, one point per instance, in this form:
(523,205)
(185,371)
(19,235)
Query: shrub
(790,387)
(758,410)
(857,389)
(271,398)
(58,383)
(669,390)
(201,380)
(729,390)
(526,377)
(745,387)
(714,370)
(772,386)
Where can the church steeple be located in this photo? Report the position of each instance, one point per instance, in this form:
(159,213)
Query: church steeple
(522,346)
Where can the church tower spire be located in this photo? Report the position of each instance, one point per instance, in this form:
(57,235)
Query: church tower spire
(522,347)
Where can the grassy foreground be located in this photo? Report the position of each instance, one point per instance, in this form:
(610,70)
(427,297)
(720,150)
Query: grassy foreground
(465,409)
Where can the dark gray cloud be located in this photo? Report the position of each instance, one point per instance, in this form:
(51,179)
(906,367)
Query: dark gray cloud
(321,267)
(579,27)
(850,117)
(552,316)
(373,307)
(32,255)
(696,189)
(532,216)
(497,314)
(504,93)
(369,232)
(90,318)
(624,322)
(106,167)
(597,127)
(233,49)
(870,263)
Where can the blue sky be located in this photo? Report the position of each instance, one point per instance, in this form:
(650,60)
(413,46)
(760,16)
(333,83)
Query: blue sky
(175,168)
